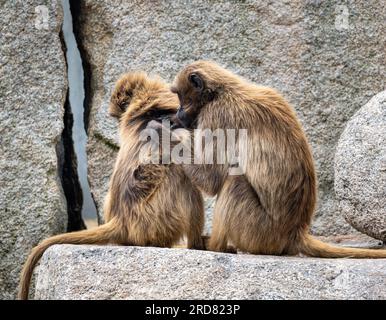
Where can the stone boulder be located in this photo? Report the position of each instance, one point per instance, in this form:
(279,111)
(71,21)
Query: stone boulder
(92,272)
(311,51)
(360,169)
(33,87)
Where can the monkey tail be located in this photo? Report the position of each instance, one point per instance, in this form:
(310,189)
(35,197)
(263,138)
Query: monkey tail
(316,248)
(100,235)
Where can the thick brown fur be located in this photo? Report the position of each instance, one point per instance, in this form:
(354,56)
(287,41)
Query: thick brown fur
(267,210)
(147,204)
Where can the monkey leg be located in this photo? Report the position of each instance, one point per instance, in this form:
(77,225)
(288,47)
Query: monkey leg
(207,177)
(196,222)
(218,240)
(238,217)
(195,240)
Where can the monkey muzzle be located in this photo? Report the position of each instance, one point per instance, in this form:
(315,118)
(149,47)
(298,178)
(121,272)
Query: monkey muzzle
(183,118)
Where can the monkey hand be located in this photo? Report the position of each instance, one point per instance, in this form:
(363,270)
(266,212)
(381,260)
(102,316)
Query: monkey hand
(229,249)
(177,134)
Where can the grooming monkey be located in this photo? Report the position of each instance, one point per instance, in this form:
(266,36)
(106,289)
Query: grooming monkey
(268,209)
(147,204)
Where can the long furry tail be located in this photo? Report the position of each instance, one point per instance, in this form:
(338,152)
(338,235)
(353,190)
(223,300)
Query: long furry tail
(100,235)
(316,248)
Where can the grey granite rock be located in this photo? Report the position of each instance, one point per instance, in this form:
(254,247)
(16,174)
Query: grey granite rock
(91,272)
(33,89)
(327,59)
(360,169)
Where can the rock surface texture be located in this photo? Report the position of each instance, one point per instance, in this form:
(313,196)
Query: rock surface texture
(312,51)
(360,169)
(33,90)
(90,272)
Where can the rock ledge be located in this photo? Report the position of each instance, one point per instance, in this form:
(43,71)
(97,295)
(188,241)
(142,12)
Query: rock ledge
(97,272)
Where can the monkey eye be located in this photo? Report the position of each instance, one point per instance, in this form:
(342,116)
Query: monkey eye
(196,81)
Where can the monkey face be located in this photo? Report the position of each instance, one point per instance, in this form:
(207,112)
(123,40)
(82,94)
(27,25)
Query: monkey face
(194,93)
(139,98)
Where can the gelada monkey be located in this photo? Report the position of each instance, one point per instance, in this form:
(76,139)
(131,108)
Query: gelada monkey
(147,204)
(268,209)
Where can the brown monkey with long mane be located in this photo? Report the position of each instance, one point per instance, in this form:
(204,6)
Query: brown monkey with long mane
(147,204)
(268,209)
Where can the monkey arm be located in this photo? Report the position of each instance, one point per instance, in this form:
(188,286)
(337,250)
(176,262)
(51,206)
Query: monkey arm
(131,186)
(206,177)
(145,181)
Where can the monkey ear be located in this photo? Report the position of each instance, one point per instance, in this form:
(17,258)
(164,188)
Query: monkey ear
(196,81)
